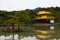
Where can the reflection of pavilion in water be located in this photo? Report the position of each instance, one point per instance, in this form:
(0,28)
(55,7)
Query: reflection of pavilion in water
(44,24)
(44,34)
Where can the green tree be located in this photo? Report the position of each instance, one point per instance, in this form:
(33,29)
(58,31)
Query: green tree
(23,17)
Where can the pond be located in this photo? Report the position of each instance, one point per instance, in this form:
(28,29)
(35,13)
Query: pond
(35,34)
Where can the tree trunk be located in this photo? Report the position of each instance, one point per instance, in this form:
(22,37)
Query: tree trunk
(13,25)
(18,25)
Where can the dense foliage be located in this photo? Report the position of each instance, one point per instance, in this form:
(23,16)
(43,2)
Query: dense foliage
(25,16)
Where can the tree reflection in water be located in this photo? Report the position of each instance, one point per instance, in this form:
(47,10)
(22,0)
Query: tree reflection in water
(36,35)
(17,36)
(9,37)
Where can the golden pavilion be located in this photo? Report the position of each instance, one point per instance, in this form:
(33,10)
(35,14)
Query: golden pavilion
(44,16)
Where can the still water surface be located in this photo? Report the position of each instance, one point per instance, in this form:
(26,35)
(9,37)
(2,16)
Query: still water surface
(36,35)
